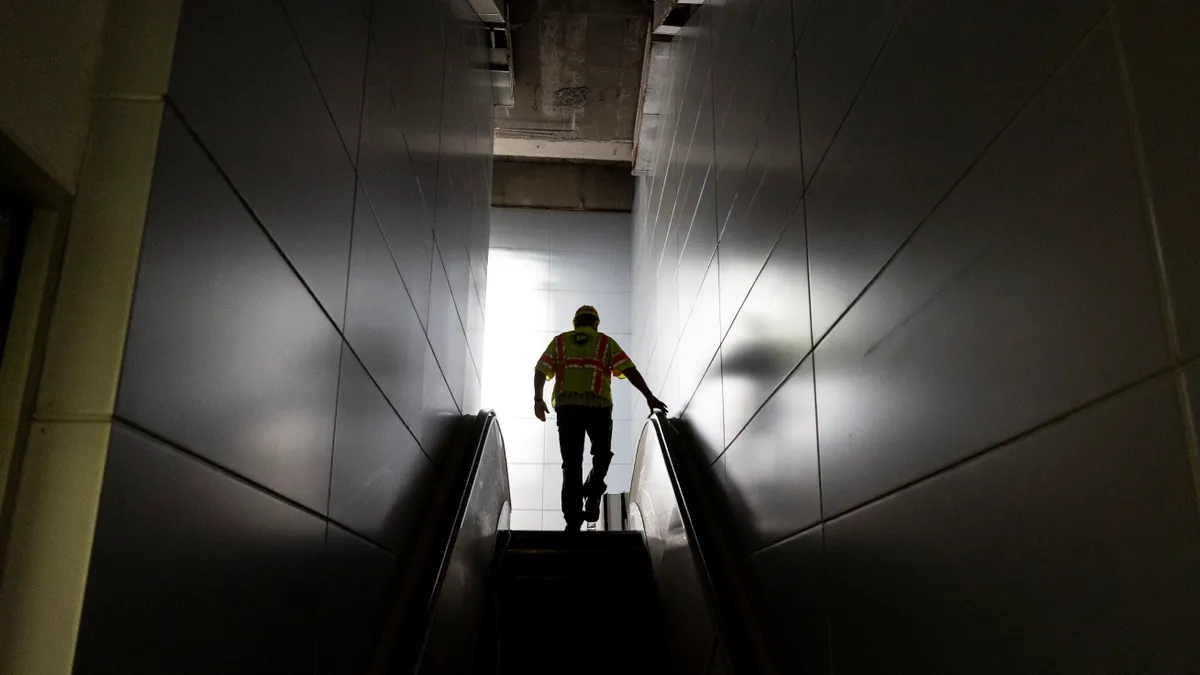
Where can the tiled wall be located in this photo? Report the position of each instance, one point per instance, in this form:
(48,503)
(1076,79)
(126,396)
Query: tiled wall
(984,217)
(307,322)
(543,266)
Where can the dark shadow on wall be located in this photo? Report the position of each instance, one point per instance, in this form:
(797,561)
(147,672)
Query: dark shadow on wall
(787,613)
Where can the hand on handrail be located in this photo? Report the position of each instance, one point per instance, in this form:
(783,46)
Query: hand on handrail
(656,405)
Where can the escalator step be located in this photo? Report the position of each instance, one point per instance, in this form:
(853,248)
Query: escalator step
(574,540)
(553,563)
(556,592)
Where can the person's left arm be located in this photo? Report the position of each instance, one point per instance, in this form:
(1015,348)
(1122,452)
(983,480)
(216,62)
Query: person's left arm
(622,367)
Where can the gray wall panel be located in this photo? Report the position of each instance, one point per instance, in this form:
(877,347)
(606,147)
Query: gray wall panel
(977,227)
(360,579)
(1015,569)
(999,313)
(761,59)
(193,570)
(227,355)
(769,195)
(703,413)
(1159,39)
(439,411)
(281,329)
(772,467)
(1193,388)
(703,329)
(698,248)
(379,471)
(940,93)
(381,323)
(790,594)
(412,38)
(771,333)
(333,35)
(446,333)
(241,82)
(390,182)
(836,49)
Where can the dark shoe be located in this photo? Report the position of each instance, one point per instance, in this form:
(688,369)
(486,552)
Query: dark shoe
(591,508)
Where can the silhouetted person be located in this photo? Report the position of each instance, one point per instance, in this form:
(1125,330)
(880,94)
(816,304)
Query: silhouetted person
(582,362)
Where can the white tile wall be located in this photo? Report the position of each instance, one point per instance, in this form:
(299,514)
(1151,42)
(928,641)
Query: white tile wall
(542,266)
(592,232)
(551,489)
(552,455)
(589,271)
(619,477)
(526,308)
(553,520)
(517,269)
(526,520)
(521,228)
(613,308)
(525,481)
(524,440)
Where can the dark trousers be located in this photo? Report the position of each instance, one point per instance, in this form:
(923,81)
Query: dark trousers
(574,421)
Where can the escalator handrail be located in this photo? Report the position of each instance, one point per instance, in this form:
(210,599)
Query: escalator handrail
(484,421)
(714,559)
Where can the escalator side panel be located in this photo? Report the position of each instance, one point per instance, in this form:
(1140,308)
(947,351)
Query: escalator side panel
(688,624)
(462,598)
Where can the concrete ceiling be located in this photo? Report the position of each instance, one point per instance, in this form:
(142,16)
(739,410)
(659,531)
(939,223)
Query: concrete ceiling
(577,67)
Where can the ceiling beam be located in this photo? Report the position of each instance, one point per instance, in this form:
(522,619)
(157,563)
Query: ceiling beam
(542,148)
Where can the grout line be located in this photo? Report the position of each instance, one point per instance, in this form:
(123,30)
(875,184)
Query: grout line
(816,342)
(237,477)
(803,206)
(1154,233)
(337,410)
(787,222)
(957,182)
(115,97)
(254,214)
(337,407)
(1142,168)
(362,92)
(1006,442)
(163,440)
(857,92)
(279,249)
(312,73)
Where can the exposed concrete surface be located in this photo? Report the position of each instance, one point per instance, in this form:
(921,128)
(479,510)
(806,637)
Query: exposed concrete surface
(587,187)
(578,67)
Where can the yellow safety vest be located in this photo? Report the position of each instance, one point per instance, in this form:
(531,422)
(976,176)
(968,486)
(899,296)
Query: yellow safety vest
(581,363)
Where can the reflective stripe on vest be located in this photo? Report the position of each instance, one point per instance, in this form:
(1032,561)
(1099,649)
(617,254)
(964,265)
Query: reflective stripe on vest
(600,364)
(560,372)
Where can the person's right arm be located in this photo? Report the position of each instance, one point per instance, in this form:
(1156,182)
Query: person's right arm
(539,403)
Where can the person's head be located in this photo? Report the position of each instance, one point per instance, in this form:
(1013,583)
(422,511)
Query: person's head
(587,317)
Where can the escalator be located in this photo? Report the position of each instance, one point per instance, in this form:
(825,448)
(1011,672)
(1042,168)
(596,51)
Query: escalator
(656,595)
(557,596)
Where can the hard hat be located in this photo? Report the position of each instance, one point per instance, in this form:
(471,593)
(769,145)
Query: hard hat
(587,310)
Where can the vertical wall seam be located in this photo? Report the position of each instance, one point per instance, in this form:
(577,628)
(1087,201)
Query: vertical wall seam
(823,558)
(1154,232)
(316,81)
(857,92)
